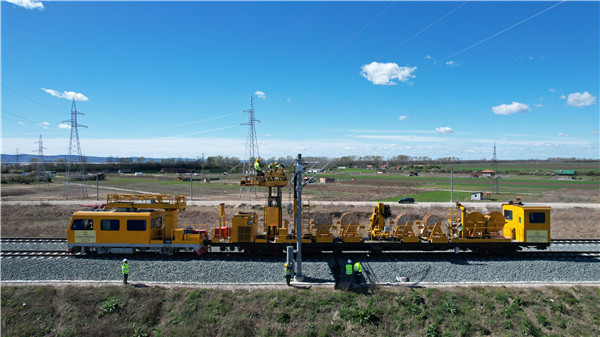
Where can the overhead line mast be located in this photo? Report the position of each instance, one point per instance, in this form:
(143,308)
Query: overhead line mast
(252,152)
(78,160)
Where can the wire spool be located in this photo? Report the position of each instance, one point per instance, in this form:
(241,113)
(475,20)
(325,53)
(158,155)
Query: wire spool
(429,222)
(402,219)
(349,222)
(494,222)
(323,222)
(474,222)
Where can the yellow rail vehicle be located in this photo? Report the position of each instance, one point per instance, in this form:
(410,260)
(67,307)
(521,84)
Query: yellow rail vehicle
(134,223)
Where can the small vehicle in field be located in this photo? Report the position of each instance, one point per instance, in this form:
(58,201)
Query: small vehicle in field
(407,200)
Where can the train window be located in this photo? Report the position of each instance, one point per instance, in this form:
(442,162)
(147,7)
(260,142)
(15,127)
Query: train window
(537,217)
(151,223)
(109,225)
(508,214)
(82,225)
(136,225)
(158,222)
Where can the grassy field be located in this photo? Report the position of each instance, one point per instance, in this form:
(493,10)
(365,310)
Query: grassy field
(157,311)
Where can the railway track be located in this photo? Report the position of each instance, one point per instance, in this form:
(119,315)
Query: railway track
(25,240)
(440,255)
(36,253)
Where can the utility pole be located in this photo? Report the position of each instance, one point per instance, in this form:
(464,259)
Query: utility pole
(77,159)
(298,194)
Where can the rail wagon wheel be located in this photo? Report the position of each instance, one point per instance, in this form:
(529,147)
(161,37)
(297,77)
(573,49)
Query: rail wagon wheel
(349,221)
(495,222)
(323,223)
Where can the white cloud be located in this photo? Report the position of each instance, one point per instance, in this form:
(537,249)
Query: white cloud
(64,126)
(580,100)
(562,97)
(45,125)
(27,4)
(288,100)
(21,123)
(267,135)
(539,105)
(552,90)
(452,64)
(401,118)
(69,95)
(560,134)
(509,109)
(260,95)
(428,57)
(385,73)
(444,129)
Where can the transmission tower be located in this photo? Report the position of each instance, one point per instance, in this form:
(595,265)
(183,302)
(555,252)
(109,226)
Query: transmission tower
(41,166)
(251,143)
(77,160)
(495,176)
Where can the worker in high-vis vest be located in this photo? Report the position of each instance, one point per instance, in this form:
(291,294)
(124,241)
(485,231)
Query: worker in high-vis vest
(288,273)
(349,273)
(125,270)
(357,272)
(257,168)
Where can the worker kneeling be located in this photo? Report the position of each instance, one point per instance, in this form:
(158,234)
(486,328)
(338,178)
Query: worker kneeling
(288,273)
(357,272)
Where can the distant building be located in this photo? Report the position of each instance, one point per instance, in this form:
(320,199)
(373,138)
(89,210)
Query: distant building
(566,174)
(326,180)
(475,175)
(480,195)
(488,173)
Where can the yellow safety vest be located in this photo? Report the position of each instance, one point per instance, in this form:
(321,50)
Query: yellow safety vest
(288,270)
(348,269)
(257,166)
(125,268)
(357,267)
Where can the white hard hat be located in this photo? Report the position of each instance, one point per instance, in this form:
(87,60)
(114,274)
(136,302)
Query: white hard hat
(349,261)
(124,260)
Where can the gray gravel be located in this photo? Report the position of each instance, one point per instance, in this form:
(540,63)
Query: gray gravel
(423,267)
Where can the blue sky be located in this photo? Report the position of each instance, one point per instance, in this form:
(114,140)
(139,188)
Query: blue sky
(437,79)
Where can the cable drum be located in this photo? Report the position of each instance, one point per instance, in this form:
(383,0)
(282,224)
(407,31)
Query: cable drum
(323,222)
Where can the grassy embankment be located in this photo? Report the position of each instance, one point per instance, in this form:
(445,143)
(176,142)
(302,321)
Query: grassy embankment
(157,311)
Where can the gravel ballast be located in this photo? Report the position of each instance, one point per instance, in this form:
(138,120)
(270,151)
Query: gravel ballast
(235,269)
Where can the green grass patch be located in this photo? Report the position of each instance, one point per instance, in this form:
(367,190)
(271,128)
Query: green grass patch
(129,311)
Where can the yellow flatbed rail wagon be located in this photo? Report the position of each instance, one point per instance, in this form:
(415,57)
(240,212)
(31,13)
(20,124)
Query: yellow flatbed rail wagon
(134,223)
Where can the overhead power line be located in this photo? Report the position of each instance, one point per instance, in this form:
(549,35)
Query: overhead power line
(494,35)
(31,99)
(206,119)
(423,30)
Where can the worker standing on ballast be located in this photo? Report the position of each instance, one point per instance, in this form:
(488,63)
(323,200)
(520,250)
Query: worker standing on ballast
(258,168)
(357,272)
(125,270)
(288,273)
(349,273)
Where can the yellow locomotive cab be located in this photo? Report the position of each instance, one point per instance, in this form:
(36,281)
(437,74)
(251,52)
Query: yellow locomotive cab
(139,227)
(527,223)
